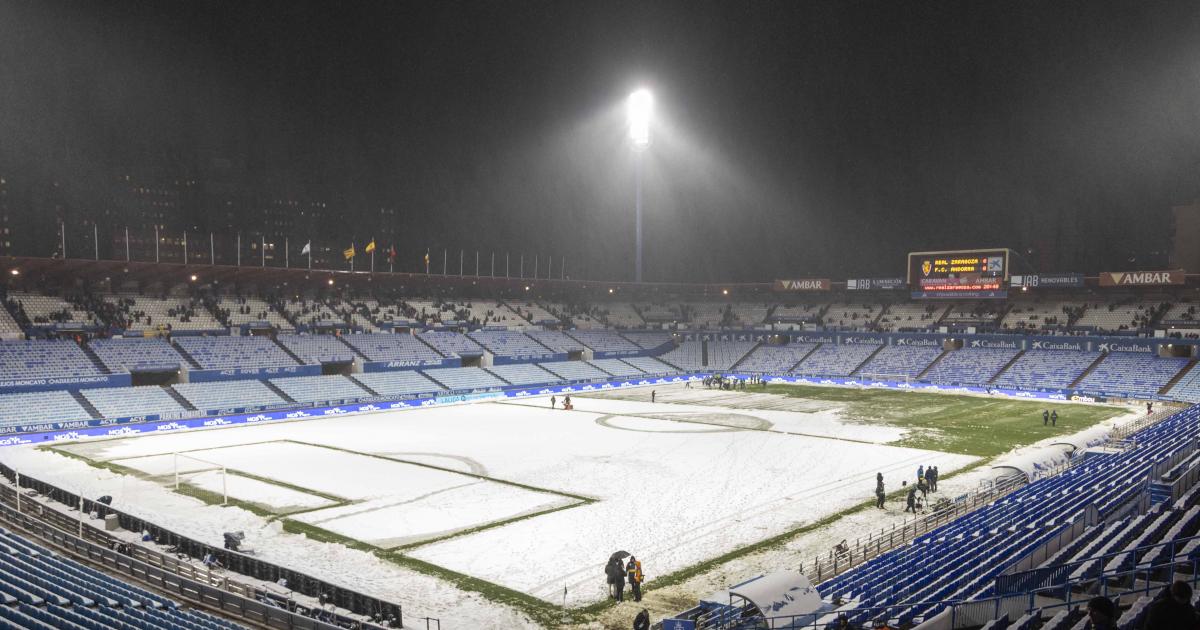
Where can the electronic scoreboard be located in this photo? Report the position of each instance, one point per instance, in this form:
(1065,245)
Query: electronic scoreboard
(973,273)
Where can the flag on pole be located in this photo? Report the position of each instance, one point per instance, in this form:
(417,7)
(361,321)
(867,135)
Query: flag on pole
(349,253)
(370,247)
(426,261)
(392,253)
(307,249)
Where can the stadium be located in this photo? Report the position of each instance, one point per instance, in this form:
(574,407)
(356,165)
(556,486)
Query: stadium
(249,380)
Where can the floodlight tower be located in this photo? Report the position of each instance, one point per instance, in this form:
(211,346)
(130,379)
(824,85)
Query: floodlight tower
(641,105)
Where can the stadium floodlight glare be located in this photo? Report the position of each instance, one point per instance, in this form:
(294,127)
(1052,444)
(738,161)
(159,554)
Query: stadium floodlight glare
(641,106)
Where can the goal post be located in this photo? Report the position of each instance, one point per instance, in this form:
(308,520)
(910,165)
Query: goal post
(186,467)
(869,377)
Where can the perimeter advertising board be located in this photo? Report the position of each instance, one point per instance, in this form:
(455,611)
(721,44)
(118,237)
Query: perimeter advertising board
(1141,278)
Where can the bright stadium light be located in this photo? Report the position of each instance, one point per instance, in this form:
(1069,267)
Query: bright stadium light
(641,106)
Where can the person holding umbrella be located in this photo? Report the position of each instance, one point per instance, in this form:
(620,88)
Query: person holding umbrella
(615,572)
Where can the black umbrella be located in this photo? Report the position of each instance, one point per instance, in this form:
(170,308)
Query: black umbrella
(618,556)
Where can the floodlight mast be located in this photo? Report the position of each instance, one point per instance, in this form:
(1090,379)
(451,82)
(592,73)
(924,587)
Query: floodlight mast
(641,105)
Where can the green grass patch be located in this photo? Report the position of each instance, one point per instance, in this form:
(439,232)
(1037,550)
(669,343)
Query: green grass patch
(967,425)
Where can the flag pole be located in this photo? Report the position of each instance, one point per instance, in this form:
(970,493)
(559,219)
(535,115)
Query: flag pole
(287,253)
(185,257)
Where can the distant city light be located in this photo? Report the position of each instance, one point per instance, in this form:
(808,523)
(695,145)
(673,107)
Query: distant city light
(15,272)
(331,282)
(724,291)
(193,277)
(641,106)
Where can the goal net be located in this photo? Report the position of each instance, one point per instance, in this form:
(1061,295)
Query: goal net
(867,378)
(200,474)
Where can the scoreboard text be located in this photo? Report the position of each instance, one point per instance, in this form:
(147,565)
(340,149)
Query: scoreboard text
(969,273)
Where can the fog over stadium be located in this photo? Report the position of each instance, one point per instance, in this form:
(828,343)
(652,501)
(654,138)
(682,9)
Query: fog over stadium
(790,139)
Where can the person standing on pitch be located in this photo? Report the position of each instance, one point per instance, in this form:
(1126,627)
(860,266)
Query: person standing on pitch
(1054,418)
(553,401)
(1045,417)
(619,583)
(912,500)
(879,493)
(653,394)
(634,573)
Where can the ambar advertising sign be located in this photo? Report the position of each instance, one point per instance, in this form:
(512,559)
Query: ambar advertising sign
(804,284)
(1141,278)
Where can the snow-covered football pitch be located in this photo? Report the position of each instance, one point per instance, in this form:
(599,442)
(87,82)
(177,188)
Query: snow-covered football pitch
(515,493)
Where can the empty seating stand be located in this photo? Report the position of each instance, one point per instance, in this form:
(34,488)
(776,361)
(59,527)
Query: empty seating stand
(45,590)
(1132,373)
(770,359)
(575,371)
(312,389)
(224,353)
(213,397)
(137,354)
(128,402)
(605,341)
(317,349)
(403,383)
(835,360)
(972,366)
(506,343)
(651,366)
(524,374)
(451,343)
(44,359)
(399,347)
(616,367)
(1047,368)
(38,407)
(556,341)
(901,360)
(467,378)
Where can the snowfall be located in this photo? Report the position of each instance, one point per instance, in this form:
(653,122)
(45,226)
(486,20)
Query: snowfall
(515,493)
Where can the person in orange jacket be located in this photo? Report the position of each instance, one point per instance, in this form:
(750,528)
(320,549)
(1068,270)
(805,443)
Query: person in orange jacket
(633,573)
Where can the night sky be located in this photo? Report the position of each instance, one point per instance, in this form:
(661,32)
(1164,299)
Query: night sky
(793,138)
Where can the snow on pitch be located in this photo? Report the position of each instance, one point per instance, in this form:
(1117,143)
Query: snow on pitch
(674,484)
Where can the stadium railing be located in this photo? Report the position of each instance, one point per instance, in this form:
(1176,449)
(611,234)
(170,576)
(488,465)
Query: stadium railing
(1043,601)
(832,564)
(878,543)
(183,546)
(192,588)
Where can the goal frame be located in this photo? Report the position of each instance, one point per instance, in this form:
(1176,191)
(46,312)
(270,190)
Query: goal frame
(211,467)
